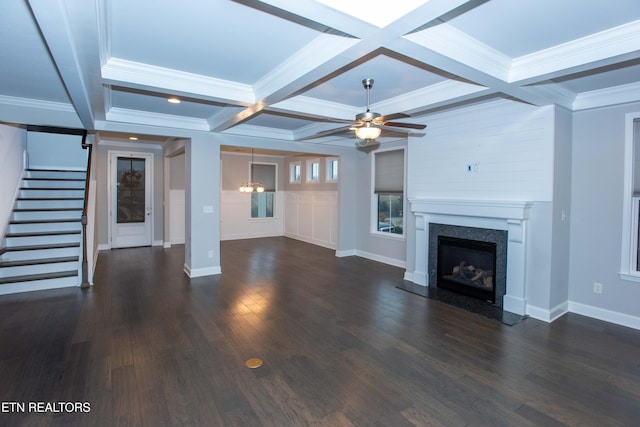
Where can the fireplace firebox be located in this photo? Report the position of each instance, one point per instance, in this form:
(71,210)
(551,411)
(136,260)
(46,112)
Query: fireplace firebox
(467,267)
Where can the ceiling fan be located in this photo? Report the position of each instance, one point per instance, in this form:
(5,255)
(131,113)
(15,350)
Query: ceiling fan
(369,125)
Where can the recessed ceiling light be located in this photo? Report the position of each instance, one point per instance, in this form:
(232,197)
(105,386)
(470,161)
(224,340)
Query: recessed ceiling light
(173,100)
(133,138)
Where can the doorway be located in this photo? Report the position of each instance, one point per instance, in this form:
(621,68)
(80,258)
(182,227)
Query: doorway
(130,198)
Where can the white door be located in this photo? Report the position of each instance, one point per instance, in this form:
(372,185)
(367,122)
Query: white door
(131,199)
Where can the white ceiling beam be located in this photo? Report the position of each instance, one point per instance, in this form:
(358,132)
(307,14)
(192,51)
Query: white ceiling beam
(72,40)
(309,66)
(136,75)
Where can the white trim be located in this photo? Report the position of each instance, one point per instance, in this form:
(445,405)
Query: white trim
(309,168)
(547,315)
(157,243)
(200,272)
(292,166)
(130,145)
(104,247)
(605,315)
(166,245)
(327,169)
(628,252)
(342,254)
(374,220)
(383,259)
(150,157)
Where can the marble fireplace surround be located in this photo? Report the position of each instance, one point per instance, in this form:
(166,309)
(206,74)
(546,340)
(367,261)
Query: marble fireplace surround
(511,216)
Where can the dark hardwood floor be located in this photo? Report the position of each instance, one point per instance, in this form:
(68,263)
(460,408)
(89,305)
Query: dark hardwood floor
(341,345)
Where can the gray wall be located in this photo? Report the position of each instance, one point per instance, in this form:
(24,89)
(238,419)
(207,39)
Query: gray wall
(596,207)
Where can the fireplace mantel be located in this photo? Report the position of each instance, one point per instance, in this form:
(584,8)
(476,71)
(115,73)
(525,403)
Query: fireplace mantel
(492,214)
(499,209)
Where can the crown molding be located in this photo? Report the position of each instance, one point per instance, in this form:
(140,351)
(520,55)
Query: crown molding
(576,54)
(153,119)
(135,74)
(260,132)
(606,97)
(37,103)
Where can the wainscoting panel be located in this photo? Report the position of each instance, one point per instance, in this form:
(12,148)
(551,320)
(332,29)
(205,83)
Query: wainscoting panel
(235,217)
(176,217)
(311,216)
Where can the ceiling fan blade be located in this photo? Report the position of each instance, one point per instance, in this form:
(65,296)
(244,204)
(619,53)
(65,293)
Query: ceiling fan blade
(326,133)
(404,125)
(394,116)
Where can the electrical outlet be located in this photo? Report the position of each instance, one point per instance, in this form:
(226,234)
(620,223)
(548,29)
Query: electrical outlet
(210,254)
(597,288)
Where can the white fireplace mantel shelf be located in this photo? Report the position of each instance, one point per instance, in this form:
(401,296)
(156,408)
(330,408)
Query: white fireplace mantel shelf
(499,209)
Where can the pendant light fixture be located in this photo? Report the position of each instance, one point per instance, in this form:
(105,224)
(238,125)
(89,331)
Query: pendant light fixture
(251,187)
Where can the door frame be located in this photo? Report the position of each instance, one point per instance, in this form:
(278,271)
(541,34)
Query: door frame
(149,174)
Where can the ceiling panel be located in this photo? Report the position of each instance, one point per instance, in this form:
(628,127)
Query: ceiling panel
(26,69)
(392,77)
(158,103)
(219,39)
(520,27)
(290,69)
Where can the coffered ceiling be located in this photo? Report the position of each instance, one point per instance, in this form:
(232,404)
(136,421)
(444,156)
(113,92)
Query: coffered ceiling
(288,69)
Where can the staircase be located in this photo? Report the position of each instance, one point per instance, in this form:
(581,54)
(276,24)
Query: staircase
(41,249)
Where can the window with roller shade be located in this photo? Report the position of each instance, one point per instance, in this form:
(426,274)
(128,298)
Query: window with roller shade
(388,189)
(262,204)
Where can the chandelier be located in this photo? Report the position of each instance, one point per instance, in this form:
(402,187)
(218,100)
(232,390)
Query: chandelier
(251,186)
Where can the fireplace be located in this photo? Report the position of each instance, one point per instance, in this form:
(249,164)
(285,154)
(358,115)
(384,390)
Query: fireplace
(467,267)
(457,254)
(503,222)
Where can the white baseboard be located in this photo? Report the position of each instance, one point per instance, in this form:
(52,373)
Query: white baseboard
(605,315)
(247,236)
(321,243)
(350,252)
(157,243)
(382,259)
(104,247)
(166,245)
(547,315)
(199,272)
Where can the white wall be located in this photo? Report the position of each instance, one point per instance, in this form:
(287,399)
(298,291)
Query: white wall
(515,152)
(13,145)
(235,207)
(596,224)
(508,145)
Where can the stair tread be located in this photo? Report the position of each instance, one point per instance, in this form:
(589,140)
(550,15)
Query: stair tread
(38,261)
(41,276)
(29,178)
(45,209)
(22,199)
(43,233)
(44,221)
(52,188)
(38,247)
(55,170)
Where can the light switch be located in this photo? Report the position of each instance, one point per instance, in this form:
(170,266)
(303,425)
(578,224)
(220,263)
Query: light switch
(207,209)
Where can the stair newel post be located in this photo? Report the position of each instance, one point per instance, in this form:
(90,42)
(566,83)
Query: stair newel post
(85,263)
